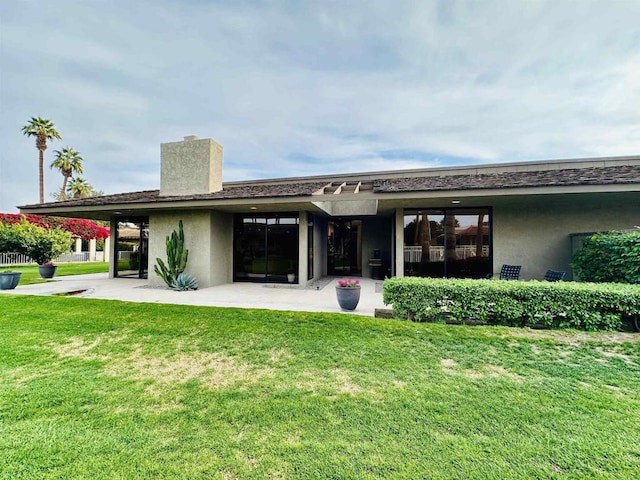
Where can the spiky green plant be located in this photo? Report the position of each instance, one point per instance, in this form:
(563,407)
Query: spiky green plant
(177,257)
(185,282)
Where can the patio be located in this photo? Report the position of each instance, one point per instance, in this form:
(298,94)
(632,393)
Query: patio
(318,297)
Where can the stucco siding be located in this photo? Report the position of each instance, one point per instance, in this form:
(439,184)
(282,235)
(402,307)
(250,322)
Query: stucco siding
(221,260)
(535,231)
(196,235)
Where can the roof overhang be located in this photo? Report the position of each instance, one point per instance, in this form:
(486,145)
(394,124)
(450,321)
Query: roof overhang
(366,203)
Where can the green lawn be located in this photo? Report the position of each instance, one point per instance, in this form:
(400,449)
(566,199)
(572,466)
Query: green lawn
(30,273)
(106,389)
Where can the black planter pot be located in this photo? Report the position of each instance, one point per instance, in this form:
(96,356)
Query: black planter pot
(348,298)
(9,280)
(47,271)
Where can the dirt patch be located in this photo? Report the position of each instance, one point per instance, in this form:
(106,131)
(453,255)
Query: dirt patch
(625,358)
(213,369)
(448,363)
(451,367)
(575,338)
(343,384)
(279,356)
(335,381)
(79,348)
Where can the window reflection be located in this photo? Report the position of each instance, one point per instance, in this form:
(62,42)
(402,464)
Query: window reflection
(447,242)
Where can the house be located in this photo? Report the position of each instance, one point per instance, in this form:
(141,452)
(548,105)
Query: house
(412,222)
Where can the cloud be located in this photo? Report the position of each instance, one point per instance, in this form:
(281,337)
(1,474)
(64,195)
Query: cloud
(301,88)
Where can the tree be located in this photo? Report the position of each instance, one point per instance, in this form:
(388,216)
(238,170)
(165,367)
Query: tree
(68,161)
(79,188)
(42,245)
(43,130)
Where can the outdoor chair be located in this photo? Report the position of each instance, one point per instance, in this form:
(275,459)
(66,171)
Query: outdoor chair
(508,272)
(554,276)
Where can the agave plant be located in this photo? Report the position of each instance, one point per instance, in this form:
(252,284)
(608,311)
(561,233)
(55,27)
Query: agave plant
(185,282)
(177,257)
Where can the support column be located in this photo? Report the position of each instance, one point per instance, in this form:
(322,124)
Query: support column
(92,250)
(106,252)
(303,268)
(78,245)
(112,248)
(399,243)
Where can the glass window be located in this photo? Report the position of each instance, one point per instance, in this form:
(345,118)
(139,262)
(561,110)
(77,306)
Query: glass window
(449,242)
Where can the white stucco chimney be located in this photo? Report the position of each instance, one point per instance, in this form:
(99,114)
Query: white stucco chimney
(191,166)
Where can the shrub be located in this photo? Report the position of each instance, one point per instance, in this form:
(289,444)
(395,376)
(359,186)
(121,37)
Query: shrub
(78,227)
(10,238)
(609,257)
(40,244)
(584,306)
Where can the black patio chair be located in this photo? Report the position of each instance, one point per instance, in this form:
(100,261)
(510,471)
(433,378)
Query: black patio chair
(554,276)
(509,272)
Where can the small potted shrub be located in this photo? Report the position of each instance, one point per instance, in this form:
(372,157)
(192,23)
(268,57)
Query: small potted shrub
(40,244)
(46,245)
(9,279)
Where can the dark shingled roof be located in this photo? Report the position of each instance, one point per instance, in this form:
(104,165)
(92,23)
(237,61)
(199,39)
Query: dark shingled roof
(544,178)
(621,174)
(244,190)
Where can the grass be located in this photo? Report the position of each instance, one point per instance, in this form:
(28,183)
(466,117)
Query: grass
(106,389)
(30,273)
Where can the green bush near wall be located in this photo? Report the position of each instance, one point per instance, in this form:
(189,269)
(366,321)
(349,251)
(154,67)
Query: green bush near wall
(583,306)
(609,257)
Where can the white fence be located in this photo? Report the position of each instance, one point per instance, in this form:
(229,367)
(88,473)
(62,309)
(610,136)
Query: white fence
(413,254)
(7,259)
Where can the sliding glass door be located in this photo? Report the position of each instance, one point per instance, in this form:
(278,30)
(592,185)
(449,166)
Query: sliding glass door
(266,247)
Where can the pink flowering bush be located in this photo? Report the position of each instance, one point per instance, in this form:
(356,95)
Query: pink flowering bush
(349,283)
(77,227)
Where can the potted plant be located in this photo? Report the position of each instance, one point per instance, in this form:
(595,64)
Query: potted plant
(348,294)
(291,276)
(46,245)
(40,244)
(9,279)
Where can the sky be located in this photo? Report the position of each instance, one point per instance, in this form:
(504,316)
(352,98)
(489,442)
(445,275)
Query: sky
(295,88)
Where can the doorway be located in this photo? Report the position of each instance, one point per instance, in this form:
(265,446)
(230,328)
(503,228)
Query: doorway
(132,247)
(344,247)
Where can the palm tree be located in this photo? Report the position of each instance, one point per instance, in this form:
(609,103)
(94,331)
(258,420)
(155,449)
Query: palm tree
(79,187)
(68,161)
(43,130)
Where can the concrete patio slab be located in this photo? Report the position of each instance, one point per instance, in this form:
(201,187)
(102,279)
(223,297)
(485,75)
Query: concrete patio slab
(241,295)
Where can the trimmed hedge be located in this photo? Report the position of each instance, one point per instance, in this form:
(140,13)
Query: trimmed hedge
(583,306)
(609,257)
